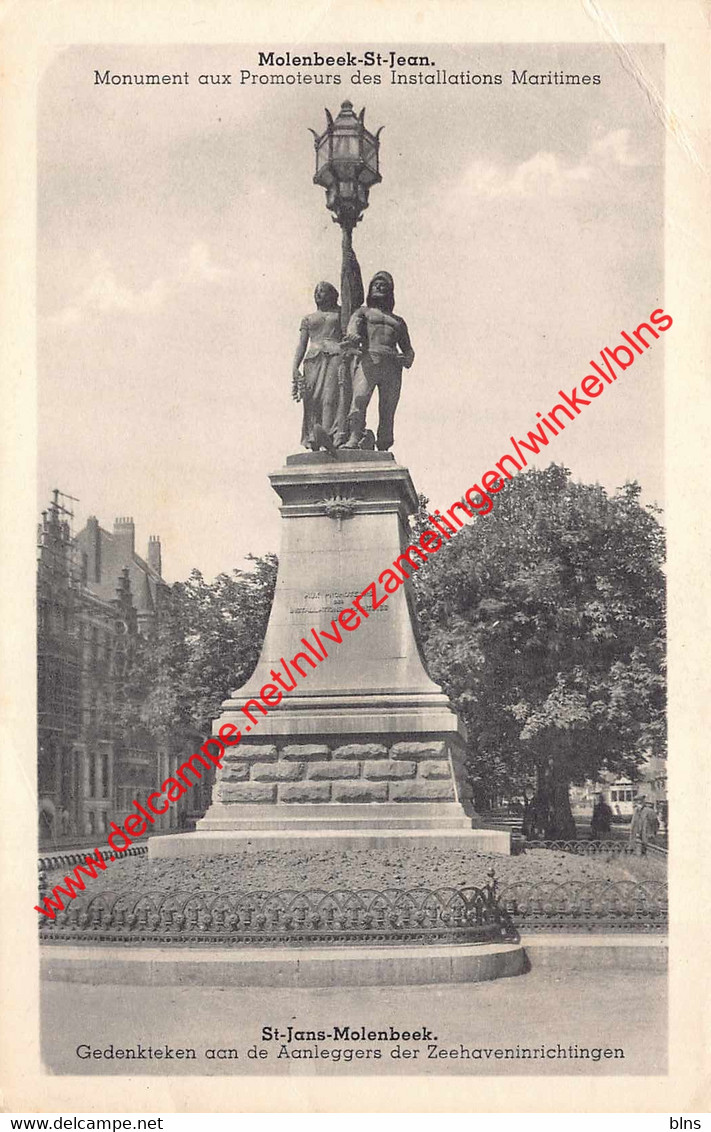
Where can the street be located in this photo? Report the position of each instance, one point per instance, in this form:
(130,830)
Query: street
(614,1009)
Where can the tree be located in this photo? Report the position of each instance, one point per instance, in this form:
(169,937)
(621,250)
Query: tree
(206,644)
(544,621)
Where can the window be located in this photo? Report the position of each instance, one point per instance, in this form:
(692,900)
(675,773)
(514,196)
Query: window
(126,794)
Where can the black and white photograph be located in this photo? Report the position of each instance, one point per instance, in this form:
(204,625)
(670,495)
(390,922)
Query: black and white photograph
(352,540)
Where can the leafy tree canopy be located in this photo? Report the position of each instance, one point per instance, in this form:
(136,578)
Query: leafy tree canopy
(206,644)
(544,621)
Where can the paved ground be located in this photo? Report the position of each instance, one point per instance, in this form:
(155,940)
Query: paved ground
(592,1009)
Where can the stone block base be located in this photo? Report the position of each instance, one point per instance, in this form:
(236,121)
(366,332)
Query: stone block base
(389,784)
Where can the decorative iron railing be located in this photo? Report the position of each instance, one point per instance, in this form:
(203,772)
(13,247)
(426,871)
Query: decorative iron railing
(488,913)
(445,915)
(592,906)
(50,862)
(610,848)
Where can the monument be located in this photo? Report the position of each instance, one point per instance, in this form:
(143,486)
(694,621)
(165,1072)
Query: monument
(366,749)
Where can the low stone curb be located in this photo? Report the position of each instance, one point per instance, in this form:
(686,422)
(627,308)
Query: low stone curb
(349,966)
(283,967)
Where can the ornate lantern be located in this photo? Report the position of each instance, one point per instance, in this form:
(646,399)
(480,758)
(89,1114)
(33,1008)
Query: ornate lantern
(347,164)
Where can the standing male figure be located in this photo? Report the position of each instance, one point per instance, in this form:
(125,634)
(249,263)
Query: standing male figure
(384,348)
(644,825)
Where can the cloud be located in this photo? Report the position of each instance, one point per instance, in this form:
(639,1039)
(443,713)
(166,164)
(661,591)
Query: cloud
(197,266)
(615,145)
(546,174)
(105,292)
(542,175)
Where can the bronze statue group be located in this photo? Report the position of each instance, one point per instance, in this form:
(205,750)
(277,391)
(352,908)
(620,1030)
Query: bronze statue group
(336,374)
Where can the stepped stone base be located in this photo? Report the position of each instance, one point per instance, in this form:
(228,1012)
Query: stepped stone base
(364,748)
(336,840)
(327,794)
(364,815)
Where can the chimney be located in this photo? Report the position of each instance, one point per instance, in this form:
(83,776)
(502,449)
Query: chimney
(153,557)
(123,586)
(125,538)
(93,550)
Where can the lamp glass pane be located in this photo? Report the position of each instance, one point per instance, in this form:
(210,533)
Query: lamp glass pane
(346,146)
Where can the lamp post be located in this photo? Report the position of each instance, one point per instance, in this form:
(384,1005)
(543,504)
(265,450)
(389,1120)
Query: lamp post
(347,168)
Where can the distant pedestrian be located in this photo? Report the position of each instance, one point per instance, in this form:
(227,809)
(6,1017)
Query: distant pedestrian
(645,824)
(47,822)
(601,819)
(635,823)
(663,814)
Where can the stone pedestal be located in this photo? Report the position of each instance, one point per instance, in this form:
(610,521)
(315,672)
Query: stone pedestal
(366,744)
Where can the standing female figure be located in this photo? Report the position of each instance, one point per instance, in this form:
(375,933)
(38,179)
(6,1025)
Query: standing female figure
(321,386)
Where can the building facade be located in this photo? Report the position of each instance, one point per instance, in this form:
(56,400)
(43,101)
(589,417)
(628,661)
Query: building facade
(96,600)
(105,555)
(59,661)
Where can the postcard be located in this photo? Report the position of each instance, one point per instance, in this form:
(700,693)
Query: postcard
(354,490)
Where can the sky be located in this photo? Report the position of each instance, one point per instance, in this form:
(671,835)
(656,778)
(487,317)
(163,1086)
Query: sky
(180,238)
